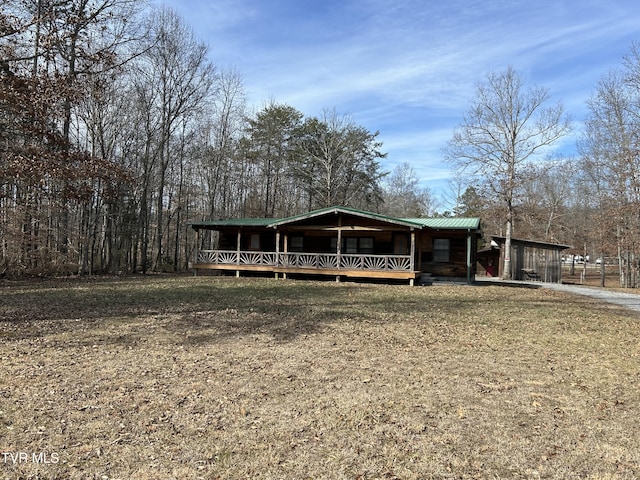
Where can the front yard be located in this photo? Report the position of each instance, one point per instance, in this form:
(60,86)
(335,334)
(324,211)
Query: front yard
(215,377)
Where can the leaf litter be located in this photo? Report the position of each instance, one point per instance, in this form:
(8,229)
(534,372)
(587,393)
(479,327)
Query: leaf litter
(206,377)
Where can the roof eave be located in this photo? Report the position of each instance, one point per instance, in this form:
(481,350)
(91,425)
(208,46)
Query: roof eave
(348,211)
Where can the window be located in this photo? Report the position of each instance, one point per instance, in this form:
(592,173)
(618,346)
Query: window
(296,244)
(358,245)
(441,249)
(365,245)
(351,245)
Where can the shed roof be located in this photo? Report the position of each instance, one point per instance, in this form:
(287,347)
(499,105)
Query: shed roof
(537,243)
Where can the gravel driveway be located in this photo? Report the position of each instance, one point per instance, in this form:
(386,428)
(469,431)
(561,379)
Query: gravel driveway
(629,300)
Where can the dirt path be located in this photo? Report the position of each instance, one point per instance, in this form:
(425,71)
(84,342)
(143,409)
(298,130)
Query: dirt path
(629,300)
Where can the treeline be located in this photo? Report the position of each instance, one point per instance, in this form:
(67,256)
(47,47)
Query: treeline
(117,129)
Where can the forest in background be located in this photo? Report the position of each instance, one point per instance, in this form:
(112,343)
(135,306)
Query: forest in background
(117,129)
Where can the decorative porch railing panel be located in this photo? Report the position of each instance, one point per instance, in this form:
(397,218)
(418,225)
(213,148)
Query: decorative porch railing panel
(320,261)
(396,263)
(308,260)
(233,257)
(227,257)
(258,258)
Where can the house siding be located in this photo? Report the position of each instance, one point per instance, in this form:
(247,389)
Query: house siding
(457,264)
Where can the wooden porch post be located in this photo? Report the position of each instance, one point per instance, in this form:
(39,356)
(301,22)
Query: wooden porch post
(420,254)
(469,257)
(412,260)
(196,252)
(238,252)
(339,246)
(277,251)
(286,250)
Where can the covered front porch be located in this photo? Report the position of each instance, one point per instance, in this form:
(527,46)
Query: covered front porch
(339,242)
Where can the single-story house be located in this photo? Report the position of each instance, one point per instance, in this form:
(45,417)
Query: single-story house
(341,242)
(530,260)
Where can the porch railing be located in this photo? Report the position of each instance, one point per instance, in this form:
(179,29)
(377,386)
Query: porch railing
(319,261)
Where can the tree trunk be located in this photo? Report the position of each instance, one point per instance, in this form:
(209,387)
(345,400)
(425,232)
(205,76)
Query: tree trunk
(507,274)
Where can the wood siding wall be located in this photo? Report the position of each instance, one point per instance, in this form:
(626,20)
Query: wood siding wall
(545,262)
(457,264)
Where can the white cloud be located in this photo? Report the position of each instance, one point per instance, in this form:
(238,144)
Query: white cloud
(409,69)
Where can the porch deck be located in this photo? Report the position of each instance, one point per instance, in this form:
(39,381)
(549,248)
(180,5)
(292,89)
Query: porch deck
(348,265)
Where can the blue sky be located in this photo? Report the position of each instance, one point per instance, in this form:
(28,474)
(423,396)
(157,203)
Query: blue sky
(409,69)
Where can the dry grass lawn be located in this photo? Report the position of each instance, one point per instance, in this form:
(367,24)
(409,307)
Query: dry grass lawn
(217,377)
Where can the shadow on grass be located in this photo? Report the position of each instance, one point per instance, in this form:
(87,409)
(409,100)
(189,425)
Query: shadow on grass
(191,310)
(506,283)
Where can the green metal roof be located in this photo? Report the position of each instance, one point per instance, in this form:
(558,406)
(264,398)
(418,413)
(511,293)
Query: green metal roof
(235,222)
(347,210)
(435,223)
(448,223)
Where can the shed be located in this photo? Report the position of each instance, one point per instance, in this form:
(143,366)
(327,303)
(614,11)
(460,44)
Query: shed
(530,259)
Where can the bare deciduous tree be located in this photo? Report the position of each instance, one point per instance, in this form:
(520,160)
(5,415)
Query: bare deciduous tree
(610,159)
(178,77)
(403,196)
(505,129)
(544,198)
(217,155)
